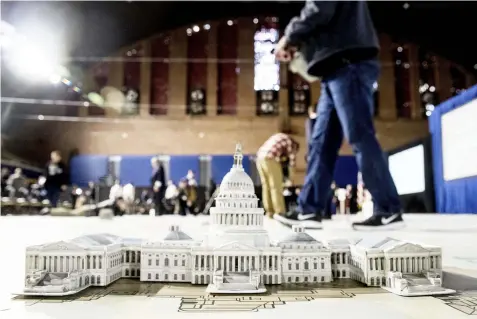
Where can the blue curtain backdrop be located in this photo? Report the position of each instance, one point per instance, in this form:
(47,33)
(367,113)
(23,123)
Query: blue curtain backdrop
(457,196)
(136,170)
(85,168)
(179,165)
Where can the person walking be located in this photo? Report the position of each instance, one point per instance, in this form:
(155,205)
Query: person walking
(56,178)
(270,170)
(339,43)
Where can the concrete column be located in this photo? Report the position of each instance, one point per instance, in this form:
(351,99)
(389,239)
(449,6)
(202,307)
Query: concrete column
(178,74)
(246,101)
(145,82)
(116,80)
(443,78)
(413,56)
(387,93)
(212,75)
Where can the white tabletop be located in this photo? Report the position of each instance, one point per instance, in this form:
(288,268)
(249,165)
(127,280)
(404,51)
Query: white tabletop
(457,234)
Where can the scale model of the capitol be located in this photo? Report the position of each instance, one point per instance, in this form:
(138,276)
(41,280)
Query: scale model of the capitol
(236,256)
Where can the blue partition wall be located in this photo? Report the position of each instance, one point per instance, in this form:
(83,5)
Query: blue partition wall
(457,196)
(85,168)
(136,170)
(179,165)
(221,165)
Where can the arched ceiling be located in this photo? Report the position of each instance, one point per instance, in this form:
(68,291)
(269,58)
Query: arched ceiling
(100,28)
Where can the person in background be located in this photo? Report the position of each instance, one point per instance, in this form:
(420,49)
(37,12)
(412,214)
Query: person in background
(5,176)
(170,197)
(56,178)
(129,195)
(116,191)
(340,45)
(190,177)
(90,192)
(269,158)
(158,184)
(182,199)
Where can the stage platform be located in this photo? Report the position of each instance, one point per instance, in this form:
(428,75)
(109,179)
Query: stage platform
(457,234)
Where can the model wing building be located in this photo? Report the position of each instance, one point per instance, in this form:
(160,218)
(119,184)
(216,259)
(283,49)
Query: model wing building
(236,256)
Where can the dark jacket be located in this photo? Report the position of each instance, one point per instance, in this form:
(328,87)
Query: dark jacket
(56,175)
(331,33)
(159,176)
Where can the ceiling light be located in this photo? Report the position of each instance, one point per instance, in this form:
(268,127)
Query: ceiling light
(196,28)
(230,22)
(406,6)
(399,49)
(41,117)
(86,104)
(255,20)
(206,26)
(432,88)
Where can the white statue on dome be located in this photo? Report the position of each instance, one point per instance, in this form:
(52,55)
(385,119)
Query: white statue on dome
(237,255)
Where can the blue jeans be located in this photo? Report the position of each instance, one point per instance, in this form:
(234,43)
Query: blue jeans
(346,107)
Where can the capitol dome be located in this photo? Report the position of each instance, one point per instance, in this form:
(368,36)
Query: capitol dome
(237,180)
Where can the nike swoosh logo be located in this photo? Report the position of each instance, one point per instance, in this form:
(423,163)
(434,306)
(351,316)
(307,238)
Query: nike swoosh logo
(305,217)
(386,221)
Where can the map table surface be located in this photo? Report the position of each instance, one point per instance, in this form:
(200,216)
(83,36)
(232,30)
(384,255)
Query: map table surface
(127,298)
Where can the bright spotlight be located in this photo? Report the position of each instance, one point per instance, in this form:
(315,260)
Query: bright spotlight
(255,20)
(196,28)
(432,88)
(206,26)
(32,63)
(230,22)
(41,117)
(55,78)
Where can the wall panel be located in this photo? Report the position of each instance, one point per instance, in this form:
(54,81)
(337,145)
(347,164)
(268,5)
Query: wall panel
(160,49)
(227,45)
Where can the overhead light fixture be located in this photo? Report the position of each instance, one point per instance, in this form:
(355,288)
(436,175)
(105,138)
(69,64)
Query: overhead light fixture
(206,26)
(255,20)
(399,49)
(189,31)
(41,117)
(230,22)
(196,28)
(406,6)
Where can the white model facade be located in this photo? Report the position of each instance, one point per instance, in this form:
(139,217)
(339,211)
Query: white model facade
(236,256)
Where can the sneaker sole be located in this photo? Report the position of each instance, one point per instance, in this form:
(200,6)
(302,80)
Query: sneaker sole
(392,226)
(285,221)
(310,224)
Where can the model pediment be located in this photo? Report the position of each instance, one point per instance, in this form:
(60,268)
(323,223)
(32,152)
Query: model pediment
(407,248)
(236,246)
(61,245)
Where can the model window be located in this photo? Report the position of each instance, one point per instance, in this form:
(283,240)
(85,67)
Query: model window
(175,276)
(127,256)
(297,279)
(166,277)
(322,278)
(315,279)
(166,262)
(183,277)
(183,263)
(344,273)
(372,281)
(297,266)
(306,265)
(289,279)
(175,262)
(370,264)
(289,266)
(157,262)
(133,258)
(127,272)
(148,276)
(338,258)
(322,265)
(157,276)
(344,258)
(149,262)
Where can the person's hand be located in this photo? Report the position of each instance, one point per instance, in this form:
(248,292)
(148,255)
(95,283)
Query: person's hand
(283,52)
